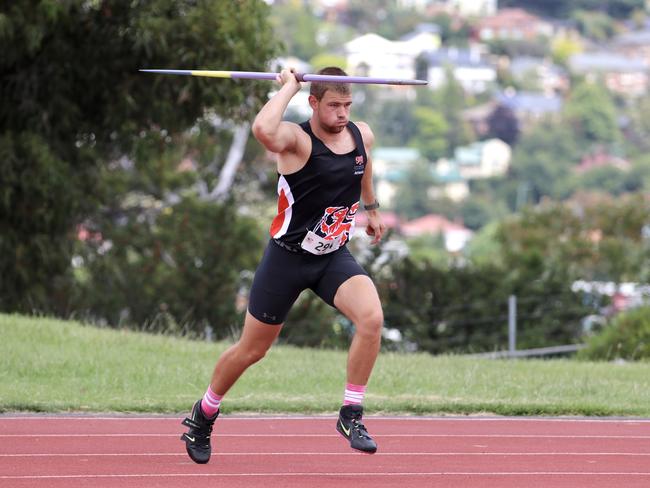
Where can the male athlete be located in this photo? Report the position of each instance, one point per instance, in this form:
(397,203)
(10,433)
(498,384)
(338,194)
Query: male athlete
(324,170)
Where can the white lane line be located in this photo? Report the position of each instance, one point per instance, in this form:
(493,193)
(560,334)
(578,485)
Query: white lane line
(330,417)
(289,417)
(489,436)
(221,454)
(354,474)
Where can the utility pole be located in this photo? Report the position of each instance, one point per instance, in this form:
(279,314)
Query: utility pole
(512,324)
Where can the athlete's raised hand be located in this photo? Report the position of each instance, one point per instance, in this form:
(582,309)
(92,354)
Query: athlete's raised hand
(287,77)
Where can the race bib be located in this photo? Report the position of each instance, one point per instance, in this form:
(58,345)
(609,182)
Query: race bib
(315,244)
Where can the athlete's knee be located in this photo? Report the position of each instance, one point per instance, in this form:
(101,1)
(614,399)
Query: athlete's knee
(370,323)
(255,355)
(251,354)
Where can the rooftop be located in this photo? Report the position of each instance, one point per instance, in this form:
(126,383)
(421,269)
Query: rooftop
(530,102)
(606,61)
(456,57)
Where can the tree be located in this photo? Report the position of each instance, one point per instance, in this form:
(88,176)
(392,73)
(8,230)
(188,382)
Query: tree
(591,111)
(543,160)
(464,308)
(72,100)
(478,210)
(563,48)
(298,19)
(503,124)
(552,8)
(431,137)
(627,337)
(606,179)
(412,197)
(592,236)
(324,60)
(460,309)
(561,9)
(453,31)
(598,26)
(450,100)
(636,132)
(395,123)
(173,269)
(537,48)
(385,17)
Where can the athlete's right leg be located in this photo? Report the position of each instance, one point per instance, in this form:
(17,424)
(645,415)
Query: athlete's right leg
(256,339)
(269,302)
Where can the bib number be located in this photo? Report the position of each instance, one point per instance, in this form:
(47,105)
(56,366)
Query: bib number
(315,244)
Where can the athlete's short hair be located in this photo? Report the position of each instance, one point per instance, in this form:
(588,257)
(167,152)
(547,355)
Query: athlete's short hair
(318,89)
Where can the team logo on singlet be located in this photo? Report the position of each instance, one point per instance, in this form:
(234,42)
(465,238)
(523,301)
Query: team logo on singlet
(359,165)
(337,223)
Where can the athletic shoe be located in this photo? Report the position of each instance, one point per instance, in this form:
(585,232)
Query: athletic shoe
(197,439)
(349,426)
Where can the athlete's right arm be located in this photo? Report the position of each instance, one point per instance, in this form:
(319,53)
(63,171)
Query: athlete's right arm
(273,133)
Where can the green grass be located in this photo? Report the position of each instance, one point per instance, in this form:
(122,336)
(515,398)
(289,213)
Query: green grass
(51,365)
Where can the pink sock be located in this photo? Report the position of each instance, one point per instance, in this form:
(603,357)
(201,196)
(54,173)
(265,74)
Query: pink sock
(210,403)
(354,394)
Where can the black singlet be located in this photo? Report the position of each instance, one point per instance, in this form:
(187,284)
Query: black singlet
(323,196)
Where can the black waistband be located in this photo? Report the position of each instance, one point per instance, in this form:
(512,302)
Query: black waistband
(295,248)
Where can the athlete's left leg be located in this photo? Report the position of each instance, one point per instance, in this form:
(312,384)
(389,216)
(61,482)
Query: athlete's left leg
(358,300)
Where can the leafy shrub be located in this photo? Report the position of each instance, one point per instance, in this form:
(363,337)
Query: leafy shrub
(464,308)
(176,272)
(628,337)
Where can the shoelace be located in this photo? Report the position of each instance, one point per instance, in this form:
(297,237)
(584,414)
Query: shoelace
(360,428)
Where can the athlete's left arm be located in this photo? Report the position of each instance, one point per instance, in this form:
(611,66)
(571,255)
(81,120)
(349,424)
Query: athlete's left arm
(375,225)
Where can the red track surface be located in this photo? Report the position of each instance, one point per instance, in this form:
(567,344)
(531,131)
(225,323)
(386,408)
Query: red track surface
(137,452)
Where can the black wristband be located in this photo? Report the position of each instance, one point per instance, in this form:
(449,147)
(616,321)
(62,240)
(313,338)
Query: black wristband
(371,206)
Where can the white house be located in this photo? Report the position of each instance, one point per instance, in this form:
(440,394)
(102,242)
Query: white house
(467,66)
(454,186)
(479,160)
(374,55)
(389,167)
(425,37)
(473,8)
(484,159)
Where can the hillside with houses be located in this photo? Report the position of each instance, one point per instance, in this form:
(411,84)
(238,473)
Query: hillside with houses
(503,79)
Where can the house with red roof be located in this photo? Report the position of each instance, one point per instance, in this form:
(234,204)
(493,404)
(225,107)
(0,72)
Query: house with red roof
(513,24)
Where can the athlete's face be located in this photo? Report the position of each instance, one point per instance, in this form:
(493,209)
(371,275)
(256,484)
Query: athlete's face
(332,111)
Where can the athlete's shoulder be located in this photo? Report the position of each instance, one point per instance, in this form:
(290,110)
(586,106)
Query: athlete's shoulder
(301,135)
(366,133)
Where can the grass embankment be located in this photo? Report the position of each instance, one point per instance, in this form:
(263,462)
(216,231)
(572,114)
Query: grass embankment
(51,365)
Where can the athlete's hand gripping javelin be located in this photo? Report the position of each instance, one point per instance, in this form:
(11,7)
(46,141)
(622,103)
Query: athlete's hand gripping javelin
(288,77)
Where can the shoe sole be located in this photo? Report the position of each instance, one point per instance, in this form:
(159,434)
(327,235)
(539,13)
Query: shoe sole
(197,461)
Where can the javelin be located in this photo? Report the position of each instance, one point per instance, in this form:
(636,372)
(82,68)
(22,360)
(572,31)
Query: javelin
(257,75)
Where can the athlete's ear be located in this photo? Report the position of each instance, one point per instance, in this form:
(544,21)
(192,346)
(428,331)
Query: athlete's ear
(313,102)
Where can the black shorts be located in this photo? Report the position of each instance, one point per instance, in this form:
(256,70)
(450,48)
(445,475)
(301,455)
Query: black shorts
(282,275)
